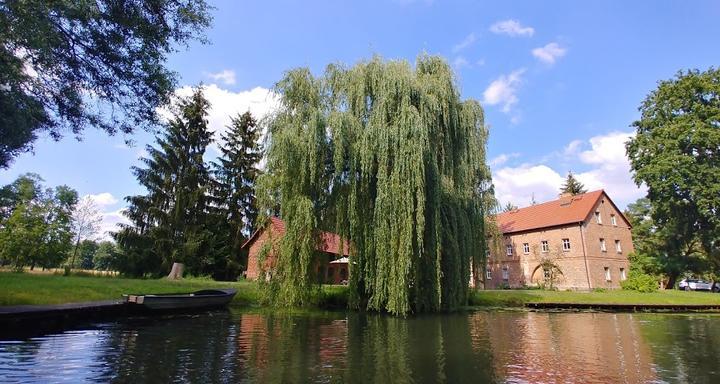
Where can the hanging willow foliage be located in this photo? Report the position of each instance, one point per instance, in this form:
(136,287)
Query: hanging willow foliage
(389,157)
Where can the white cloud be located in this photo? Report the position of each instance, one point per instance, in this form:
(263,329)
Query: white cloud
(226,76)
(503,90)
(549,53)
(109,223)
(605,167)
(467,41)
(460,62)
(103,199)
(225,104)
(511,28)
(503,158)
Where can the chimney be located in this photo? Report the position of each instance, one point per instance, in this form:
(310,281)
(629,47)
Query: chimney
(565,194)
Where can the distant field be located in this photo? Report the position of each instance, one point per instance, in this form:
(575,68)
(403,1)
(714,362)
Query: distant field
(518,298)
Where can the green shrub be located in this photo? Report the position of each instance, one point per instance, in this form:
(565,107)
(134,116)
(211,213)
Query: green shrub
(638,281)
(600,290)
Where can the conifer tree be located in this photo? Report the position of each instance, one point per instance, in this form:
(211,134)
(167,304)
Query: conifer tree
(389,157)
(572,186)
(235,174)
(169,222)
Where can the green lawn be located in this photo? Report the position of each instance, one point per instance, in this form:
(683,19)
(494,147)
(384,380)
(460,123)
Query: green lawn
(517,298)
(25,288)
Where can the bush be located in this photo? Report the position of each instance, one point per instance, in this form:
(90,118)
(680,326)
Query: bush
(638,281)
(599,290)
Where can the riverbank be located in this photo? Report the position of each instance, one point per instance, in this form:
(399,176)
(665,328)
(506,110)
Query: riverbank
(521,298)
(34,289)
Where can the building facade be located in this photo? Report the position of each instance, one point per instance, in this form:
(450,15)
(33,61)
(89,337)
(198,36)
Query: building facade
(331,266)
(576,242)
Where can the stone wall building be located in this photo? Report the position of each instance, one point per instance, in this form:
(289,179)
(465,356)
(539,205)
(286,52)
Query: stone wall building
(331,266)
(576,242)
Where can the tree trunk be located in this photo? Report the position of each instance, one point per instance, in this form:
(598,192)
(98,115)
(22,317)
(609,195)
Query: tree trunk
(77,244)
(671,281)
(176,273)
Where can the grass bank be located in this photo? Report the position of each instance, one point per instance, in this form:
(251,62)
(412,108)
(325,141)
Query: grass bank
(29,289)
(518,298)
(26,288)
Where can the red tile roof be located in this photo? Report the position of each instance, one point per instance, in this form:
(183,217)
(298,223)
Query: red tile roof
(329,242)
(565,210)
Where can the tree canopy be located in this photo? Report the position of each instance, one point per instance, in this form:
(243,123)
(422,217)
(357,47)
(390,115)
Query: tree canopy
(388,156)
(572,186)
(68,65)
(676,154)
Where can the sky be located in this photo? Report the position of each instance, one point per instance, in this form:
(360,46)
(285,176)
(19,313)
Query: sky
(560,81)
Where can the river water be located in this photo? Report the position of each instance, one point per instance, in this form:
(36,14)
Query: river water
(328,347)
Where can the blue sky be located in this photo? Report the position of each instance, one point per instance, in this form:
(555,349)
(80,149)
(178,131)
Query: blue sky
(560,81)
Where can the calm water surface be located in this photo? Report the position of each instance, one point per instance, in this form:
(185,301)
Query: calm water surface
(480,347)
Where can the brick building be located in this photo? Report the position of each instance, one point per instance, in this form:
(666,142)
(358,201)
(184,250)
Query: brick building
(585,236)
(331,266)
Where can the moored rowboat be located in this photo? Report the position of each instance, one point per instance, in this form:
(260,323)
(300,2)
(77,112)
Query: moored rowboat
(207,298)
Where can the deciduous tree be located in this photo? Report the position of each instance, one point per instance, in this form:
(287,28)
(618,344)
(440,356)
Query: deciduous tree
(676,154)
(68,65)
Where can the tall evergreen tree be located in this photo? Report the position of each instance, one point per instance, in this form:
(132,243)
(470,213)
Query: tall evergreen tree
(169,222)
(572,186)
(234,191)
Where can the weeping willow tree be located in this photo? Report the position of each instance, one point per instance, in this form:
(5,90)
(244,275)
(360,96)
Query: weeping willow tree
(389,157)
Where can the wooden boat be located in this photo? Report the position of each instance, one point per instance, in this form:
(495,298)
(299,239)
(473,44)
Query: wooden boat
(207,298)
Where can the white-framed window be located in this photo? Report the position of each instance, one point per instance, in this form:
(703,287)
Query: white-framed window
(603,248)
(566,244)
(545,246)
(622,274)
(607,273)
(598,218)
(618,247)
(488,274)
(526,248)
(613,220)
(546,273)
(508,249)
(505,273)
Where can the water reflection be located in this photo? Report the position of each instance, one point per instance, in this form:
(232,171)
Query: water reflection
(515,347)
(577,347)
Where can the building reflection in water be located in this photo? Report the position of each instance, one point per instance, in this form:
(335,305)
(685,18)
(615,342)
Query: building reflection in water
(557,347)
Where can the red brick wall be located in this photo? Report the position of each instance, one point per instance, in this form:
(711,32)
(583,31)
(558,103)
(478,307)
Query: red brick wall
(583,266)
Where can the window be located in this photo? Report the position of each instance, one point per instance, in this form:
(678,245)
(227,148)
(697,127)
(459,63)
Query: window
(546,273)
(505,273)
(487,253)
(613,220)
(618,248)
(508,250)
(526,248)
(488,274)
(598,218)
(607,273)
(602,245)
(545,246)
(622,274)
(566,244)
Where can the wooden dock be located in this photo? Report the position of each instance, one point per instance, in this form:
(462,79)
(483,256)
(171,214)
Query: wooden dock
(31,319)
(625,307)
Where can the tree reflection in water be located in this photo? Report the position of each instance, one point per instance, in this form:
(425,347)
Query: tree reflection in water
(357,347)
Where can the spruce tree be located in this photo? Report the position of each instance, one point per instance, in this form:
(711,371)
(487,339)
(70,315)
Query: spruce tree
(169,223)
(235,174)
(572,186)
